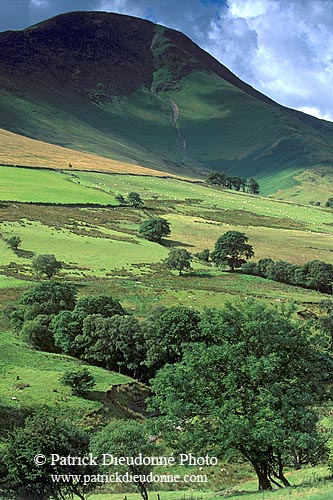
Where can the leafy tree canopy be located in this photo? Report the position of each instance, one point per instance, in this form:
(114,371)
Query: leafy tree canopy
(43,434)
(154,229)
(49,298)
(134,200)
(252,392)
(167,332)
(232,249)
(179,259)
(14,242)
(80,380)
(115,343)
(46,264)
(126,438)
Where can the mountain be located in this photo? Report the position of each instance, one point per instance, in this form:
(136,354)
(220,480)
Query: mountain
(133,91)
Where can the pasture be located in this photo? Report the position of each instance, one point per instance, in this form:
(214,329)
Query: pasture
(98,242)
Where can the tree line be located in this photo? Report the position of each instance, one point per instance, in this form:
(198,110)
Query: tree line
(231,182)
(316,274)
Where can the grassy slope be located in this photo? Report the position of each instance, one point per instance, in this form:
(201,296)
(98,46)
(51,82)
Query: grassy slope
(19,150)
(218,126)
(23,365)
(103,254)
(102,243)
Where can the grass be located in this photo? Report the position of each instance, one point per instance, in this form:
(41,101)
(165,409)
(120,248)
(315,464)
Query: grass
(16,149)
(103,243)
(308,484)
(103,253)
(84,254)
(22,366)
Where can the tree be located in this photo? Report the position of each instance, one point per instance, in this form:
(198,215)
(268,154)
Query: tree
(120,199)
(68,325)
(232,249)
(115,343)
(318,275)
(217,178)
(97,304)
(46,264)
(44,434)
(126,438)
(13,242)
(134,200)
(253,392)
(38,333)
(179,259)
(329,203)
(166,333)
(253,186)
(49,297)
(80,380)
(204,255)
(154,229)
(326,320)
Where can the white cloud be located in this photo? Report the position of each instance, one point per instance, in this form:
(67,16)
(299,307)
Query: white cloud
(315,112)
(283,48)
(40,3)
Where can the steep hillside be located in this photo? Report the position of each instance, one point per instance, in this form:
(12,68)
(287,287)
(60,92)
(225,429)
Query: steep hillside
(130,90)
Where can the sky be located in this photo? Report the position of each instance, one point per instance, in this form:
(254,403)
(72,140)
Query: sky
(284,48)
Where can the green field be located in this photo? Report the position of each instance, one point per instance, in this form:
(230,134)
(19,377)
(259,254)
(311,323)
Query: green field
(33,379)
(102,252)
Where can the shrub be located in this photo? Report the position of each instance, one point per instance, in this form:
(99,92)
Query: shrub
(80,381)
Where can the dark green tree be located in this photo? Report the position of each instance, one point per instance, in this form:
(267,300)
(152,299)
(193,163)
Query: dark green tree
(253,186)
(39,334)
(179,259)
(318,275)
(326,320)
(166,333)
(13,242)
(115,343)
(126,438)
(97,304)
(46,264)
(68,325)
(253,392)
(49,297)
(329,203)
(120,199)
(46,435)
(232,249)
(80,381)
(154,229)
(134,200)
(204,255)
(217,178)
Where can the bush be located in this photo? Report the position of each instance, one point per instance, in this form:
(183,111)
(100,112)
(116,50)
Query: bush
(134,200)
(46,264)
(204,255)
(80,381)
(13,242)
(154,229)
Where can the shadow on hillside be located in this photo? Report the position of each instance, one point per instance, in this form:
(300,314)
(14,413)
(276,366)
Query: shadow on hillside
(175,243)
(24,254)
